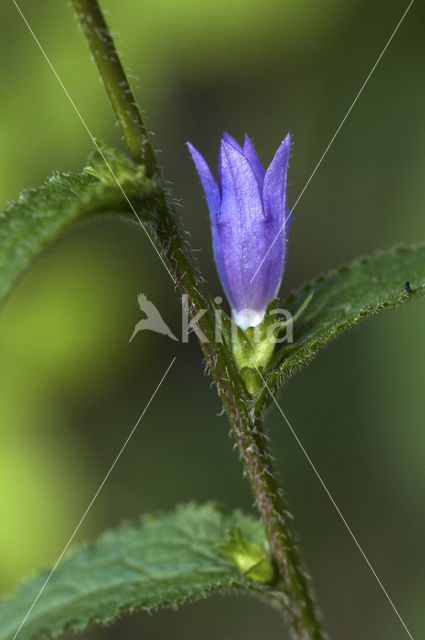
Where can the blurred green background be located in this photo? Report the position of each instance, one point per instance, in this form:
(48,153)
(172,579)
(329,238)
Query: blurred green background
(71,387)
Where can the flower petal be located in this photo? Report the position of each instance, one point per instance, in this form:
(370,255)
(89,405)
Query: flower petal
(248,211)
(208,182)
(244,235)
(251,155)
(274,189)
(230,140)
(241,197)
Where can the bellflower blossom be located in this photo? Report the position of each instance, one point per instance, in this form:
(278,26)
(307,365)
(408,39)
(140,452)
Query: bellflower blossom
(248,209)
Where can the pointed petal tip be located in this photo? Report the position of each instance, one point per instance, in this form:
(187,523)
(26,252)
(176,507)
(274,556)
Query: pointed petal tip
(282,153)
(274,188)
(287,140)
(248,145)
(226,137)
(208,182)
(228,147)
(191,148)
(252,157)
(197,157)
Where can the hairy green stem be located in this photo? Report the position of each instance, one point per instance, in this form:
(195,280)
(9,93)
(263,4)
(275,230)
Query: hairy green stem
(107,61)
(246,427)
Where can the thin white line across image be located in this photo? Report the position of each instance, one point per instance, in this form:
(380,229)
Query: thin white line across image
(93,139)
(55,566)
(338,510)
(333,137)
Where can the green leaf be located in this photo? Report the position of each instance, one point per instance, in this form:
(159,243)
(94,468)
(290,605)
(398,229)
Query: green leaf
(39,215)
(161,561)
(342,298)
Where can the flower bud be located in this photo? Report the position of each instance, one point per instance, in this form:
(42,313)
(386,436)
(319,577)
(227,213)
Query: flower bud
(250,221)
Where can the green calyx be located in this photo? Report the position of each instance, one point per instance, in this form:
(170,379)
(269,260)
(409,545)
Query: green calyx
(253,348)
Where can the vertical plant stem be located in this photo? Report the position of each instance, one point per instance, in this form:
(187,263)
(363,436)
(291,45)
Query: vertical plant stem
(247,430)
(270,503)
(109,65)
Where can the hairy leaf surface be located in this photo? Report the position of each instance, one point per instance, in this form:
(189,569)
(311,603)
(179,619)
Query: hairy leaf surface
(342,298)
(161,561)
(39,215)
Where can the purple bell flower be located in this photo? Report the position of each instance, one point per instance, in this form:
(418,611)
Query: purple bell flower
(248,210)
